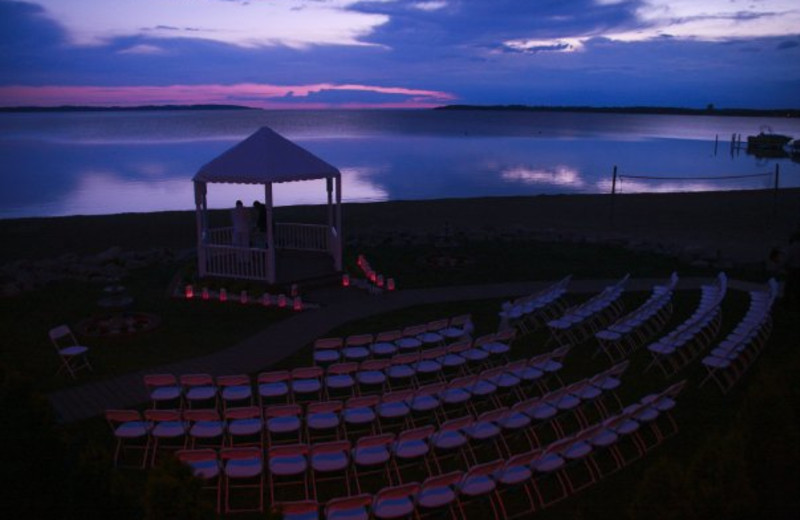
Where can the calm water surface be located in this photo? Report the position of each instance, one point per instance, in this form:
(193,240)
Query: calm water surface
(112,162)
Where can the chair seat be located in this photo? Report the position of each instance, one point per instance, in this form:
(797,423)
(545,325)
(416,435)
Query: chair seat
(408,343)
(400,372)
(286,424)
(322,421)
(482,388)
(75,350)
(452,360)
(476,485)
(510,476)
(448,440)
(306,386)
(482,430)
(201,393)
(357,416)
(505,380)
(411,449)
(169,429)
(355,353)
(371,455)
(326,356)
(607,383)
(205,469)
(452,332)
(548,462)
(243,468)
(329,461)
(165,393)
(392,507)
(236,393)
(496,348)
(207,429)
(589,392)
(542,411)
(577,450)
(604,438)
(430,337)
(383,349)
(245,426)
(549,365)
(423,403)
(339,381)
(427,366)
(527,373)
(474,354)
(454,395)
(285,465)
(434,497)
(514,421)
(273,389)
(371,377)
(393,409)
(132,429)
(567,402)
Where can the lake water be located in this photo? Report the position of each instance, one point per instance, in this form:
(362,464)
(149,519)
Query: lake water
(113,162)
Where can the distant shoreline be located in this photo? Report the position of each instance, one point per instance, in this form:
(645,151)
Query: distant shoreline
(710,111)
(81,108)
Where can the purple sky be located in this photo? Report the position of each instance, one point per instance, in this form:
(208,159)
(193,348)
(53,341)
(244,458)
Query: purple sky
(401,53)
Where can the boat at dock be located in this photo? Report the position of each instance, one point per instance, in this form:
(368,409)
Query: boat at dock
(767,141)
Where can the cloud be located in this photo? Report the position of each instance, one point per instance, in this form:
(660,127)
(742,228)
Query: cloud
(250,94)
(143,48)
(293,23)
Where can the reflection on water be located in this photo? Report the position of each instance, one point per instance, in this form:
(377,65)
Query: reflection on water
(73,167)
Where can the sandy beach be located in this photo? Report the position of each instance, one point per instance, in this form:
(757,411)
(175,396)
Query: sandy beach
(741,226)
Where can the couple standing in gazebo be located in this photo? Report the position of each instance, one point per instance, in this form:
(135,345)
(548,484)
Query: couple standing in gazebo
(249,227)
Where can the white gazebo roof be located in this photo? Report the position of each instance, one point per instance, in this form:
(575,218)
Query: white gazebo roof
(263,158)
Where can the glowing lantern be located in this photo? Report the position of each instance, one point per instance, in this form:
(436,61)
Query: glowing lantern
(390,284)
(360,261)
(266,300)
(379,280)
(297,304)
(372,276)
(189,292)
(206,296)
(345,280)
(281,300)
(223,295)
(243,297)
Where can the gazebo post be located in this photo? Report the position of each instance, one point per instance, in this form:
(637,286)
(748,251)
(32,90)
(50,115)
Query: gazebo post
(337,260)
(270,233)
(202,226)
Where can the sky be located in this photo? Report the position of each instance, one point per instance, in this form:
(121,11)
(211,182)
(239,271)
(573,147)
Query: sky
(401,53)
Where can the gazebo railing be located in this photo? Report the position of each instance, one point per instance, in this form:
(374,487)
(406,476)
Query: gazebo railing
(236,262)
(302,237)
(220,236)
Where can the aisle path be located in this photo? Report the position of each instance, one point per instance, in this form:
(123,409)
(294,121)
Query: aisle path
(284,338)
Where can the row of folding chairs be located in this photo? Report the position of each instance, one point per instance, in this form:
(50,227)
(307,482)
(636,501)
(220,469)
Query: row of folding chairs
(578,323)
(628,333)
(358,347)
(734,355)
(680,346)
(513,484)
(276,423)
(530,312)
(341,379)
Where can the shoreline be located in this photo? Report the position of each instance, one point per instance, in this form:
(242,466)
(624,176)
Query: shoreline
(738,225)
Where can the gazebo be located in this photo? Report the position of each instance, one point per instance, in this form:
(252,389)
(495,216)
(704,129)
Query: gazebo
(265,158)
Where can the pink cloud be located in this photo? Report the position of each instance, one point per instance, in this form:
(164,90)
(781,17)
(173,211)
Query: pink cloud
(249,94)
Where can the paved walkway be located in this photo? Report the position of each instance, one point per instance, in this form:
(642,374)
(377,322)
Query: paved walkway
(284,338)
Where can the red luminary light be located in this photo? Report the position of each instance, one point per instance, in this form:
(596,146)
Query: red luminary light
(390,284)
(189,292)
(281,300)
(223,295)
(243,297)
(206,296)
(297,304)
(360,261)
(379,280)
(372,276)
(345,280)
